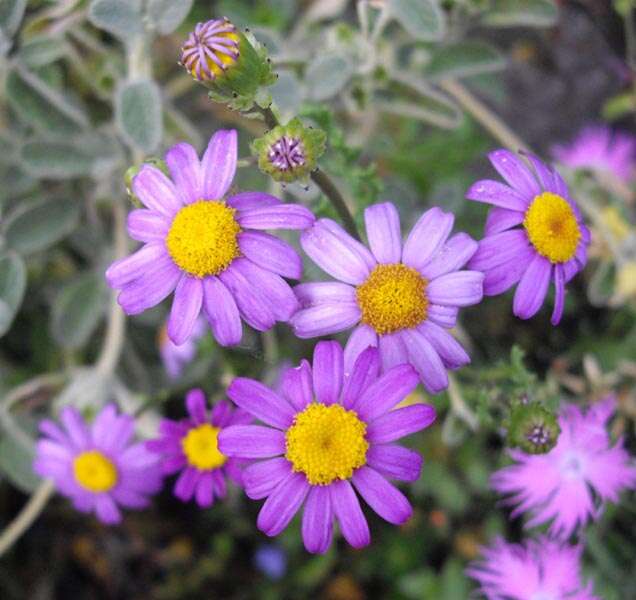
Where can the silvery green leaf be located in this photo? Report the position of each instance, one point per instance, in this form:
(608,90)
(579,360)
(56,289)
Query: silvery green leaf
(325,9)
(42,106)
(16,460)
(528,13)
(88,390)
(139,115)
(11,12)
(15,182)
(464,59)
(286,92)
(167,15)
(36,226)
(327,75)
(42,51)
(119,17)
(78,309)
(423,19)
(12,286)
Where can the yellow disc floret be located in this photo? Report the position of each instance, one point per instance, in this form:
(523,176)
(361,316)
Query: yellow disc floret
(326,443)
(392,298)
(201,448)
(552,227)
(203,238)
(94,471)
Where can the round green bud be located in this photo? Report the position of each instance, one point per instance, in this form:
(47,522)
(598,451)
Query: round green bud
(532,428)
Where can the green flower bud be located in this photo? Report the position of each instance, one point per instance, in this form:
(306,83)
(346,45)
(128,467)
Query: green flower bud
(290,152)
(533,428)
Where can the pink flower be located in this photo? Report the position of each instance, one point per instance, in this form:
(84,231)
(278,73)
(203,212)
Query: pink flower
(561,485)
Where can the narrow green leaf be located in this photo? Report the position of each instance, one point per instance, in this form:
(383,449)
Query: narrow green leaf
(55,160)
(119,17)
(464,59)
(12,287)
(423,19)
(139,115)
(16,461)
(167,15)
(36,226)
(41,51)
(11,12)
(526,13)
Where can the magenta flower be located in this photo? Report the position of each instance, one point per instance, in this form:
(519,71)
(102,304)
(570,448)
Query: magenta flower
(175,358)
(209,250)
(327,430)
(400,297)
(597,148)
(190,446)
(540,569)
(96,466)
(569,484)
(551,245)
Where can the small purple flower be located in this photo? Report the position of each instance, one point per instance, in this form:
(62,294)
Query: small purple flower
(175,358)
(401,297)
(210,251)
(540,569)
(569,484)
(325,431)
(190,446)
(599,149)
(287,153)
(96,466)
(551,245)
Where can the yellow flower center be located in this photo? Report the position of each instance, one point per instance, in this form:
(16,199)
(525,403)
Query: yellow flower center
(326,443)
(392,298)
(203,238)
(94,472)
(201,448)
(552,228)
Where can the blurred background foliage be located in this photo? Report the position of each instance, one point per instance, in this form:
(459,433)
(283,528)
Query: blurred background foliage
(90,88)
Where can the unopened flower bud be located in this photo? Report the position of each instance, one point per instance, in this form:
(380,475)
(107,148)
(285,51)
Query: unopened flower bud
(533,428)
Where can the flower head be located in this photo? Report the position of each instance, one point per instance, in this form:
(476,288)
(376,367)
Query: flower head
(96,466)
(550,245)
(190,446)
(540,569)
(400,297)
(210,250)
(569,484)
(175,358)
(599,149)
(533,428)
(328,431)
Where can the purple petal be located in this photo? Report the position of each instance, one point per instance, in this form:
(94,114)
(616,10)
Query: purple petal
(353,525)
(383,232)
(263,403)
(427,237)
(498,249)
(392,350)
(247,200)
(297,385)
(515,172)
(324,292)
(428,363)
(185,171)
(384,393)
(543,173)
(156,191)
(497,194)
(383,497)
(262,477)
(354,244)
(270,253)
(222,415)
(203,492)
(150,289)
(222,312)
(360,339)
(218,164)
(448,348)
(132,267)
(532,288)
(106,509)
(195,403)
(501,278)
(365,371)
(400,422)
(219,486)
(500,219)
(147,225)
(317,525)
(281,216)
(324,319)
(282,504)
(336,254)
(559,294)
(461,288)
(327,370)
(444,316)
(185,484)
(75,427)
(186,307)
(251,441)
(452,256)
(395,462)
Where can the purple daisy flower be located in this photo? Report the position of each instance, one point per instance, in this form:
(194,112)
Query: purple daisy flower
(190,446)
(599,149)
(324,432)
(550,245)
(540,569)
(96,466)
(175,358)
(569,484)
(212,252)
(400,297)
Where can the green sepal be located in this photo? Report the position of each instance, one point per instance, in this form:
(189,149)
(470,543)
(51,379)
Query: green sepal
(532,428)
